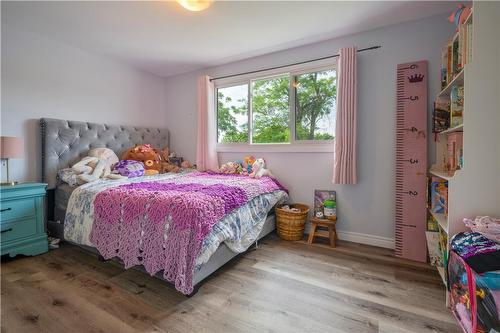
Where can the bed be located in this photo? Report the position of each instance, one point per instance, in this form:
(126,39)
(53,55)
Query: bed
(220,225)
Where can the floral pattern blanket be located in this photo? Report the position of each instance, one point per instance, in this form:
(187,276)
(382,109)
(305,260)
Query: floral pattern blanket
(170,223)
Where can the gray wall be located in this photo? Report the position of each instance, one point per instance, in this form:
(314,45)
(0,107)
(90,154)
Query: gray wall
(365,210)
(44,78)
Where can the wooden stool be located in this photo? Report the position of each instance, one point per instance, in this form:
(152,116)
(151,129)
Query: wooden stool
(331,234)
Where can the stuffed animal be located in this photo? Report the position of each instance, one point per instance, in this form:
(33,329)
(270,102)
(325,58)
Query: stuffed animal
(247,164)
(230,168)
(459,15)
(186,165)
(147,155)
(259,169)
(166,166)
(97,164)
(129,168)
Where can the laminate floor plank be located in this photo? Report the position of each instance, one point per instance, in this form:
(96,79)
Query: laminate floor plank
(279,287)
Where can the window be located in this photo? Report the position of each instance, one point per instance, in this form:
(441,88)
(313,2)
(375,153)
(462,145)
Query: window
(293,108)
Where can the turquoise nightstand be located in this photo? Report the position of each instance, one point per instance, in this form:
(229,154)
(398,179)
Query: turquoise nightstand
(22,219)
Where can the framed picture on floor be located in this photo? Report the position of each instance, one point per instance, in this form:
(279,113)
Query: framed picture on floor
(325,203)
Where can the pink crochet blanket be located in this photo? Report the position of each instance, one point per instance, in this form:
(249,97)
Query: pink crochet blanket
(161,225)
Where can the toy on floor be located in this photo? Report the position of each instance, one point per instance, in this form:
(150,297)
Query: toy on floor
(147,155)
(259,169)
(97,164)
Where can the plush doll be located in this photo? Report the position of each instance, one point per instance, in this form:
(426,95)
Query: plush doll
(166,166)
(147,155)
(230,168)
(97,164)
(247,164)
(459,15)
(186,165)
(129,168)
(259,169)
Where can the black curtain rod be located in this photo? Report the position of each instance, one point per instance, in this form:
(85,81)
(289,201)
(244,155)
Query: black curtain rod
(297,63)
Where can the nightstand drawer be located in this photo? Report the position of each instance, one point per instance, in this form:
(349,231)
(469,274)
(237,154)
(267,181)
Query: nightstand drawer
(15,209)
(19,229)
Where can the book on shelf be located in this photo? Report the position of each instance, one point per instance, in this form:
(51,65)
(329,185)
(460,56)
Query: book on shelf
(441,115)
(461,46)
(439,196)
(456,105)
(455,149)
(444,67)
(434,248)
(449,71)
(469,42)
(456,53)
(457,57)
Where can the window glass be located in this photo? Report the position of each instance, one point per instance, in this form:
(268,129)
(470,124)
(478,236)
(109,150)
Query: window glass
(232,114)
(270,110)
(315,105)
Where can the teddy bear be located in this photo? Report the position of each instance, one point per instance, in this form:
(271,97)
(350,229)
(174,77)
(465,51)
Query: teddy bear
(149,156)
(166,166)
(98,164)
(259,169)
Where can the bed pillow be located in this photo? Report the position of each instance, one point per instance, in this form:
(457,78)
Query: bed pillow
(129,168)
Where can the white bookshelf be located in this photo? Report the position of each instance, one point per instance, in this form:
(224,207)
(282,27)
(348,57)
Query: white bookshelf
(475,189)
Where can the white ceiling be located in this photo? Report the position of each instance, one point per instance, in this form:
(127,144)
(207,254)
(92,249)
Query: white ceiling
(163,38)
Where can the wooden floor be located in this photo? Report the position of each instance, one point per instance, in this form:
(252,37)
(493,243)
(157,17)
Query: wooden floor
(280,287)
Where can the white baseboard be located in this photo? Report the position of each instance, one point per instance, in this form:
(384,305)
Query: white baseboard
(367,239)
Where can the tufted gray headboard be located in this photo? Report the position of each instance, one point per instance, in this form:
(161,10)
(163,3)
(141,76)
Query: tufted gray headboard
(65,142)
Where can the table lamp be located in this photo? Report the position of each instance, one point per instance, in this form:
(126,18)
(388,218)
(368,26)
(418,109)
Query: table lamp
(10,147)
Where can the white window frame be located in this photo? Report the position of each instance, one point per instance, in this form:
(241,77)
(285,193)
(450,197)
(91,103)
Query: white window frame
(303,146)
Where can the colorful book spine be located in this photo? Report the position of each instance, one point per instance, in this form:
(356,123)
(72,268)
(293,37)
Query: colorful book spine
(469,42)
(461,47)
(454,145)
(449,72)
(444,67)
(455,65)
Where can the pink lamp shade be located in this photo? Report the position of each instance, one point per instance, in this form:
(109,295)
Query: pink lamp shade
(11,147)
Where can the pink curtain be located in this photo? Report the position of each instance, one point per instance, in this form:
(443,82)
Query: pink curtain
(344,167)
(206,154)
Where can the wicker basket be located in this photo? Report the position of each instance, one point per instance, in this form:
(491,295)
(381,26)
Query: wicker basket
(290,225)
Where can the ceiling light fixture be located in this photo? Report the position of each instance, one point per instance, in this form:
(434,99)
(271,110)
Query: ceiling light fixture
(195,5)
